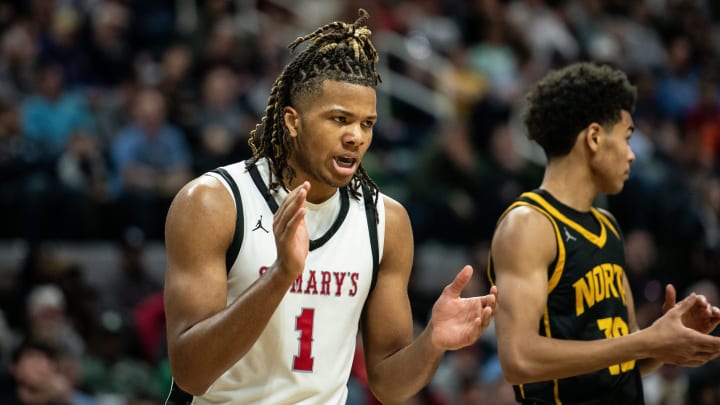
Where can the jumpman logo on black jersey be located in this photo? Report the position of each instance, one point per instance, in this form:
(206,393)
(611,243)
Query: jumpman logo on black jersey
(568,235)
(259,225)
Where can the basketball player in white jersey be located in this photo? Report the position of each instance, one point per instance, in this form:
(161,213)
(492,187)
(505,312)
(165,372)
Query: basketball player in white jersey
(276,263)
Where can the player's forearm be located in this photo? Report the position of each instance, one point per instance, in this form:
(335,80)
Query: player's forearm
(203,352)
(542,359)
(405,372)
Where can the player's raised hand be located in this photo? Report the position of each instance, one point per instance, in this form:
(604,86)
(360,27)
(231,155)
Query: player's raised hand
(458,322)
(702,316)
(290,231)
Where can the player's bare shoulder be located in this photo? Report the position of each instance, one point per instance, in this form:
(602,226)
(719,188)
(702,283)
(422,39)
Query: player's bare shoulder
(397,220)
(524,228)
(202,205)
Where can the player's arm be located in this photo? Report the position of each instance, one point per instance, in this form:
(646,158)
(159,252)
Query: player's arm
(398,366)
(522,249)
(206,336)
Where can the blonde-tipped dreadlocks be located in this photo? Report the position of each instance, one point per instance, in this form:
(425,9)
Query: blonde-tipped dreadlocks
(337,51)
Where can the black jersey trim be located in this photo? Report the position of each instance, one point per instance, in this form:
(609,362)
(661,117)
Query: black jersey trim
(234,247)
(344,208)
(177,396)
(272,204)
(260,184)
(370,214)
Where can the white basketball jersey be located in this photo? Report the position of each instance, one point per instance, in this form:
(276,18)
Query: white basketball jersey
(305,353)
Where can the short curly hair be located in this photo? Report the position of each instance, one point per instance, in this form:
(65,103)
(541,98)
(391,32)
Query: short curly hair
(567,100)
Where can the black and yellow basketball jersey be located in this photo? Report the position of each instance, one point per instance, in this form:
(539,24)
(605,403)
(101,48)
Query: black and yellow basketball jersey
(586,301)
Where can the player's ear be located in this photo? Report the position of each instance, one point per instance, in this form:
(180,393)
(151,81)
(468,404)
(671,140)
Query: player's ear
(592,136)
(292,119)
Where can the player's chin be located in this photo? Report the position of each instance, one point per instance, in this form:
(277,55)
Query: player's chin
(615,188)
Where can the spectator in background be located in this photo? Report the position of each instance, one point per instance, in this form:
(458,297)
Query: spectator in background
(678,84)
(107,44)
(48,321)
(38,379)
(82,171)
(179,86)
(152,161)
(19,160)
(53,113)
(223,126)
(702,123)
(57,199)
(110,370)
(64,45)
(131,282)
(17,63)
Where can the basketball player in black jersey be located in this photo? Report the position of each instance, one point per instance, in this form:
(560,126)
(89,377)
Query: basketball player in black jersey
(565,322)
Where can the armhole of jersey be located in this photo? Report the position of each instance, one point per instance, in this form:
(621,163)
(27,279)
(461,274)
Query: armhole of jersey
(372,221)
(178,397)
(234,247)
(558,264)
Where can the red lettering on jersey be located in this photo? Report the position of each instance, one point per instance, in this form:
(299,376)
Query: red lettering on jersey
(325,283)
(354,279)
(263,269)
(311,287)
(339,279)
(297,285)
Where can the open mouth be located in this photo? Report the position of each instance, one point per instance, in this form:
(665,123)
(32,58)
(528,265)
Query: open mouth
(345,162)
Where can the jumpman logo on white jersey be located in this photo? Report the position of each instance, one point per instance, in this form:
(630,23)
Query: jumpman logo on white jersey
(259,225)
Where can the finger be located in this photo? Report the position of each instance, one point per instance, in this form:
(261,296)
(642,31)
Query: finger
(686,304)
(488,300)
(298,193)
(294,201)
(484,318)
(461,279)
(670,297)
(296,220)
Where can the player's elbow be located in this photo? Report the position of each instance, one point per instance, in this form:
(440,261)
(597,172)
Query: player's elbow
(518,370)
(188,379)
(387,393)
(189,383)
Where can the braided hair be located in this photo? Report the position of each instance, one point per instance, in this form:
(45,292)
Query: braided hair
(338,51)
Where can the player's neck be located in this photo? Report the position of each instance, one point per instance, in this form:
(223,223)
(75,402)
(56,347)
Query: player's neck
(319,192)
(569,184)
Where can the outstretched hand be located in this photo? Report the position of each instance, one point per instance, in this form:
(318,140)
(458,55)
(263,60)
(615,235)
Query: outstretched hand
(458,322)
(702,316)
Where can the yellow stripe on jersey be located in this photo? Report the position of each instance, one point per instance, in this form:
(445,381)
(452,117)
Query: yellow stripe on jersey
(559,265)
(608,223)
(598,240)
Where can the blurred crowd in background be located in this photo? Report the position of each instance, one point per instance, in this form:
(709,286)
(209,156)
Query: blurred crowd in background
(107,107)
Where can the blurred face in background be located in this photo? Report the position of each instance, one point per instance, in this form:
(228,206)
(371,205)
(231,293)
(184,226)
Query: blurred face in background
(150,110)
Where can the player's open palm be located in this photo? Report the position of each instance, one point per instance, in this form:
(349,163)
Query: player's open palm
(458,322)
(290,231)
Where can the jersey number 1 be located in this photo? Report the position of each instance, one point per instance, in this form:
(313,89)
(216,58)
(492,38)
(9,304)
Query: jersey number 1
(304,323)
